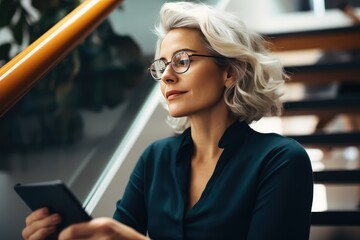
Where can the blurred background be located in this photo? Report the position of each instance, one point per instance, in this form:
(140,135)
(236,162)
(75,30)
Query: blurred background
(89,119)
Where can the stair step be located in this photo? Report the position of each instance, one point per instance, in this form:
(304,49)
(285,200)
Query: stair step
(326,39)
(337,176)
(336,218)
(329,139)
(343,104)
(324,72)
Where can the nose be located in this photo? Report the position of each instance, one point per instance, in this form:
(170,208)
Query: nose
(169,75)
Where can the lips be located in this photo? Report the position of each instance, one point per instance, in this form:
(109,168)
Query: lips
(173,93)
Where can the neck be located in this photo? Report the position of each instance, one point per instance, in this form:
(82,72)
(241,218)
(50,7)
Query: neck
(206,132)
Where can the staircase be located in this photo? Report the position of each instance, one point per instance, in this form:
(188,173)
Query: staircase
(337,65)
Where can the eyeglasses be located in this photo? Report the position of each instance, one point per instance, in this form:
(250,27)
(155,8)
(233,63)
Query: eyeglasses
(180,63)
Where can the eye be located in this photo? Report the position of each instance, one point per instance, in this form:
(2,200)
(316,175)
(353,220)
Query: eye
(180,60)
(183,62)
(159,65)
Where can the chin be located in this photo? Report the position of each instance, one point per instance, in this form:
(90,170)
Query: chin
(174,111)
(180,110)
(175,115)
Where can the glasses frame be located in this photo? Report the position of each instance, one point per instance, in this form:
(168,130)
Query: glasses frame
(171,61)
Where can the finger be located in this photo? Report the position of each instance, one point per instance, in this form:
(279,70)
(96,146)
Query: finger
(39,225)
(37,215)
(40,233)
(77,231)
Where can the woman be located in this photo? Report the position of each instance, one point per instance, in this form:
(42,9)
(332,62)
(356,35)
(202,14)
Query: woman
(218,179)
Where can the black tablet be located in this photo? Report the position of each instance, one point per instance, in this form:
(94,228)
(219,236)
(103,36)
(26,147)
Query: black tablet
(55,196)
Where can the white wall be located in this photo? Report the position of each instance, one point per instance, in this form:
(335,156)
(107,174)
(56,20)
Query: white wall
(139,19)
(272,16)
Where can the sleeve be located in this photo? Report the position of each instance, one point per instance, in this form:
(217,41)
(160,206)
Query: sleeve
(282,208)
(131,209)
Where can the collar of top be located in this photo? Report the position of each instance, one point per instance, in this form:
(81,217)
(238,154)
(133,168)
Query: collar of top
(234,135)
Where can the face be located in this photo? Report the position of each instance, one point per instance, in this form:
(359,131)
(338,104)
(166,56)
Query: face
(200,89)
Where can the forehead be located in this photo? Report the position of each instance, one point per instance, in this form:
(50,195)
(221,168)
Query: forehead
(181,38)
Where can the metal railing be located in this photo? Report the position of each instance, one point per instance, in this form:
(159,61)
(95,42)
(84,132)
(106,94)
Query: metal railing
(22,72)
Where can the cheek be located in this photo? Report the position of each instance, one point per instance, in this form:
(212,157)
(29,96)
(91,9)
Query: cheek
(211,92)
(210,84)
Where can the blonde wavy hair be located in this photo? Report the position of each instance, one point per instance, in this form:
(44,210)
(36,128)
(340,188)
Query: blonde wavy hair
(260,76)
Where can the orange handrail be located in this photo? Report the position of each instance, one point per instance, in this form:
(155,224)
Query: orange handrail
(22,72)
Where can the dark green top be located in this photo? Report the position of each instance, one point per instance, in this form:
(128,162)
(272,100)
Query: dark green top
(261,189)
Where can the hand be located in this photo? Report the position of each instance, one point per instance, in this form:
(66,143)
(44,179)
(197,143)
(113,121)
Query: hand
(100,228)
(40,224)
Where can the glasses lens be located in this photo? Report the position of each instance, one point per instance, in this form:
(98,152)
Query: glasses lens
(157,68)
(180,62)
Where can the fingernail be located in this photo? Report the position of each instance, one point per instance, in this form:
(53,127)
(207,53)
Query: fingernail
(56,218)
(45,211)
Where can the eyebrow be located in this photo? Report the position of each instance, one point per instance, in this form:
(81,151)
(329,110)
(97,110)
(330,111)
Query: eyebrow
(180,50)
(185,50)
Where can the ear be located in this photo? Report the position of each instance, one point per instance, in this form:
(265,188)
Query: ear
(229,77)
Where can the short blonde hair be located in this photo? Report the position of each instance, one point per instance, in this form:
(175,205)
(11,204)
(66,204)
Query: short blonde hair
(260,76)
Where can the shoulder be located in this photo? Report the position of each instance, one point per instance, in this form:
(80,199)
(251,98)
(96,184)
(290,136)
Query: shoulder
(279,150)
(162,151)
(279,160)
(168,144)
(273,142)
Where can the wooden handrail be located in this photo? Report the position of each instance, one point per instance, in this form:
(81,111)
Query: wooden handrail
(22,72)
